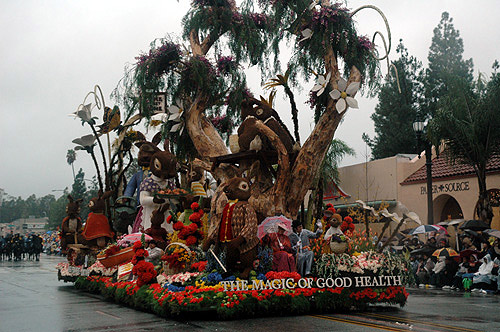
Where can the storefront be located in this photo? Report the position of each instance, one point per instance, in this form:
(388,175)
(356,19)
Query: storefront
(402,179)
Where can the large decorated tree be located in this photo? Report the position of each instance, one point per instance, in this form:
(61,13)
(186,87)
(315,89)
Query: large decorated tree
(204,83)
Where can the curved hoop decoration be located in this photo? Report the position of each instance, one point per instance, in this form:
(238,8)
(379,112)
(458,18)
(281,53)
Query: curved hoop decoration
(387,48)
(98,98)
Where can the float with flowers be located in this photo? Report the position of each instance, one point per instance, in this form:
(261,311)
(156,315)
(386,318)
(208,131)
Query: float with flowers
(217,221)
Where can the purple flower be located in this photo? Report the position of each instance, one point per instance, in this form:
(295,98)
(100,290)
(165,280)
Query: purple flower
(260,20)
(365,43)
(226,64)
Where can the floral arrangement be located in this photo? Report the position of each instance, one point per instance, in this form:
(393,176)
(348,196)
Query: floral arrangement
(191,234)
(178,257)
(360,243)
(371,263)
(179,278)
(110,250)
(199,266)
(98,269)
(65,271)
(236,304)
(145,271)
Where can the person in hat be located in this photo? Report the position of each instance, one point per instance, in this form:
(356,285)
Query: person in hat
(300,243)
(279,242)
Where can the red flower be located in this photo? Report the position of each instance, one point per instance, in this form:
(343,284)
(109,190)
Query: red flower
(178,225)
(195,206)
(191,240)
(137,245)
(169,218)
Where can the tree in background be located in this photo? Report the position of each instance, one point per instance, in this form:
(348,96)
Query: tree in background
(70,159)
(468,121)
(397,110)
(79,188)
(445,62)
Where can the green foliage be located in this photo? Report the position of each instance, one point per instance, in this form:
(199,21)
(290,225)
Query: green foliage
(79,188)
(445,61)
(467,120)
(396,111)
(329,168)
(251,37)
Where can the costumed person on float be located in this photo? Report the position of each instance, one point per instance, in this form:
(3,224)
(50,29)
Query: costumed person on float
(300,242)
(146,151)
(97,226)
(163,167)
(236,230)
(71,225)
(279,242)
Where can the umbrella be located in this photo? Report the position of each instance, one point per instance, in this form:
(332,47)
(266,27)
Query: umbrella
(451,222)
(424,229)
(270,225)
(131,238)
(468,252)
(475,225)
(445,252)
(421,251)
(493,232)
(441,229)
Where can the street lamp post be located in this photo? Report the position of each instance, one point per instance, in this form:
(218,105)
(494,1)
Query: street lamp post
(418,128)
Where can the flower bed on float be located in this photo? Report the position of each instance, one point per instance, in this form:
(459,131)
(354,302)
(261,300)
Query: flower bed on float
(341,282)
(237,304)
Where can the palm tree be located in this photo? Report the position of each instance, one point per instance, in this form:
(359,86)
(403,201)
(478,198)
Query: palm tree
(70,159)
(467,121)
(328,173)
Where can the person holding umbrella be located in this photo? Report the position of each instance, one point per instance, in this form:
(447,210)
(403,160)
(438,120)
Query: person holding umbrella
(279,242)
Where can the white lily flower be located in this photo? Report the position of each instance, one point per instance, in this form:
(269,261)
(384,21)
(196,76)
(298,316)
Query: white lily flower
(83,112)
(162,117)
(321,84)
(345,97)
(307,34)
(84,142)
(176,112)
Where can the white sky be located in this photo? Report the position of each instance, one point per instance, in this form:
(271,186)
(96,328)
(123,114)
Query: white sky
(54,52)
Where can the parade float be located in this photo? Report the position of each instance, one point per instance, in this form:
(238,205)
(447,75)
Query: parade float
(217,252)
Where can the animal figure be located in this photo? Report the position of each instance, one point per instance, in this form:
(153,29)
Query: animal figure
(163,167)
(248,136)
(71,225)
(196,180)
(146,151)
(158,233)
(236,229)
(97,226)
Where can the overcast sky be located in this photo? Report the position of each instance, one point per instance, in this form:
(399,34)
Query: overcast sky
(54,52)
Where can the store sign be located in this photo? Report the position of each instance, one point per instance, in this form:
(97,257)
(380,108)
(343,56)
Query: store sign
(446,187)
(361,281)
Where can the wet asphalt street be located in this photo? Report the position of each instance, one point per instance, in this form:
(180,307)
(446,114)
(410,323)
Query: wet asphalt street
(31,299)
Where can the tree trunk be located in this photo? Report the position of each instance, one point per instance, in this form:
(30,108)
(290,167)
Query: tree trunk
(484,210)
